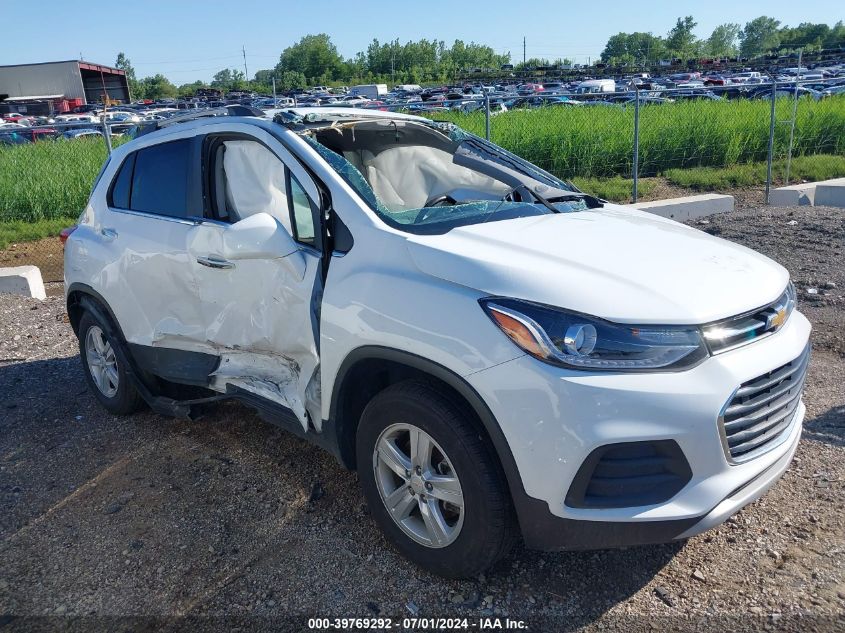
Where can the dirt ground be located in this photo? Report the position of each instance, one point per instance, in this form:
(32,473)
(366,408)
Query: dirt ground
(148,523)
(47,254)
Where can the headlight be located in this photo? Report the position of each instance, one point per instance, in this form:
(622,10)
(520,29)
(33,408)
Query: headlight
(584,342)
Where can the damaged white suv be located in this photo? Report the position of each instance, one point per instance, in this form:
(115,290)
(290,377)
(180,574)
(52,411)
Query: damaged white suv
(495,352)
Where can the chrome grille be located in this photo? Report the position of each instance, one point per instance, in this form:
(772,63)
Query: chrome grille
(728,334)
(758,415)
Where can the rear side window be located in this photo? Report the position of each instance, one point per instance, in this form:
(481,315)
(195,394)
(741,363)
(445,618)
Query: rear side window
(160,179)
(122,186)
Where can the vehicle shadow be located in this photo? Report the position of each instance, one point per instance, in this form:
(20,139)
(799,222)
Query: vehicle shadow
(829,427)
(586,584)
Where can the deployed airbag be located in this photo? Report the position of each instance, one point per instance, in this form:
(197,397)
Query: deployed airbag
(255,181)
(406,176)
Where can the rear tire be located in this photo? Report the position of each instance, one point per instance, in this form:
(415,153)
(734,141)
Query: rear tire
(454,516)
(105,374)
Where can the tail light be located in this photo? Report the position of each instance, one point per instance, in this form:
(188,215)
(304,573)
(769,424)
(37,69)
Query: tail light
(65,233)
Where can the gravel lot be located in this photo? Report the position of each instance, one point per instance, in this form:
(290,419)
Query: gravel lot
(231,521)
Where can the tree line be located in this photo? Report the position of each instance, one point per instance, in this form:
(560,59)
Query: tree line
(315,60)
(760,36)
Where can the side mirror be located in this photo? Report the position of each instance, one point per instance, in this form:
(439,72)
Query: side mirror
(261,236)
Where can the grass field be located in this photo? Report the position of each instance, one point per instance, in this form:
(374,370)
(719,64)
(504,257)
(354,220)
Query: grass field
(48,179)
(23,231)
(615,189)
(595,141)
(809,168)
(700,145)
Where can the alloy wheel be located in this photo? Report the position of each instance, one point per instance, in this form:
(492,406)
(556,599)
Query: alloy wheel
(418,485)
(102,362)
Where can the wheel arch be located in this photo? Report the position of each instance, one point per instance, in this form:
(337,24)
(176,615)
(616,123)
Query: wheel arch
(81,297)
(368,370)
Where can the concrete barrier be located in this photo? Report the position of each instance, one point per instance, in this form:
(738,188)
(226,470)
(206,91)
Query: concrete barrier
(22,280)
(830,195)
(689,207)
(801,194)
(793,195)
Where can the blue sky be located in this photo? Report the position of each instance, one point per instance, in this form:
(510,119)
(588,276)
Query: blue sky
(188,40)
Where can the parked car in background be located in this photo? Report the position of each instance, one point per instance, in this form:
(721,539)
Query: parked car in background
(833,90)
(39,133)
(16,117)
(596,86)
(85,108)
(746,76)
(785,91)
(80,133)
(77,118)
(11,136)
(644,99)
(694,95)
(370,91)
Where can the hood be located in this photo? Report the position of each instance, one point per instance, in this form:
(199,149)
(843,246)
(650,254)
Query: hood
(617,263)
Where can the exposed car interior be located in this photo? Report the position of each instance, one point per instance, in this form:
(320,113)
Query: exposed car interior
(423,178)
(409,165)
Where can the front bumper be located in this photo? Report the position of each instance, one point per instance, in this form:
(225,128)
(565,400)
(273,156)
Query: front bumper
(545,531)
(552,419)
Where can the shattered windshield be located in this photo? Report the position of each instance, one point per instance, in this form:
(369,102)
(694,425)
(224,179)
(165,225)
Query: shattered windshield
(430,177)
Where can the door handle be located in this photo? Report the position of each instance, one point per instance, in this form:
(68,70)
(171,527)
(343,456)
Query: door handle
(109,234)
(215,262)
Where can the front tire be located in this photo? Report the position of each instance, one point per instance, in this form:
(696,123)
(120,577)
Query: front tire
(431,481)
(105,374)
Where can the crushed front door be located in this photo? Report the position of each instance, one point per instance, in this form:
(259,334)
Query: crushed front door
(260,316)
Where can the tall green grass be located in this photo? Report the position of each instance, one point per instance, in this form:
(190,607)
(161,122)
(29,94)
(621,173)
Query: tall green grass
(23,231)
(615,189)
(808,168)
(48,179)
(52,179)
(597,141)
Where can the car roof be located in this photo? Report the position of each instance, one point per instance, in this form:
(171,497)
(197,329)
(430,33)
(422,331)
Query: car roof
(307,115)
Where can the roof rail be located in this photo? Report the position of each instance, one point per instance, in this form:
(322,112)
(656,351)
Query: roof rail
(231,110)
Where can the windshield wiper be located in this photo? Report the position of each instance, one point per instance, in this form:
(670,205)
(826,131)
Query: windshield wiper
(522,190)
(591,201)
(469,154)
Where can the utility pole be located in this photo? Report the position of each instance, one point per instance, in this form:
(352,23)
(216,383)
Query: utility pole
(523,50)
(246,72)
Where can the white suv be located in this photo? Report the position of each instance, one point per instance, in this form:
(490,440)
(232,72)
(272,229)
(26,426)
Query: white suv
(495,352)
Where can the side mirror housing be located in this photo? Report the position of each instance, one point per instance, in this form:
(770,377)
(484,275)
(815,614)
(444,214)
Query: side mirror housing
(260,236)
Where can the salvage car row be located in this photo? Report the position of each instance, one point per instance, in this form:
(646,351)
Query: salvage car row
(125,119)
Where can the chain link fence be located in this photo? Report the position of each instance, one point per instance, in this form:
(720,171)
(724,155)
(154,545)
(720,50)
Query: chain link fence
(620,145)
(682,135)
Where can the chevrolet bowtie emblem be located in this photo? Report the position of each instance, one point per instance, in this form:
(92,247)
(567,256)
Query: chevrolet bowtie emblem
(775,319)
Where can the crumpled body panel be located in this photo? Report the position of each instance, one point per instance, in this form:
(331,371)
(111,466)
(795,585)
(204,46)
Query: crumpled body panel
(260,317)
